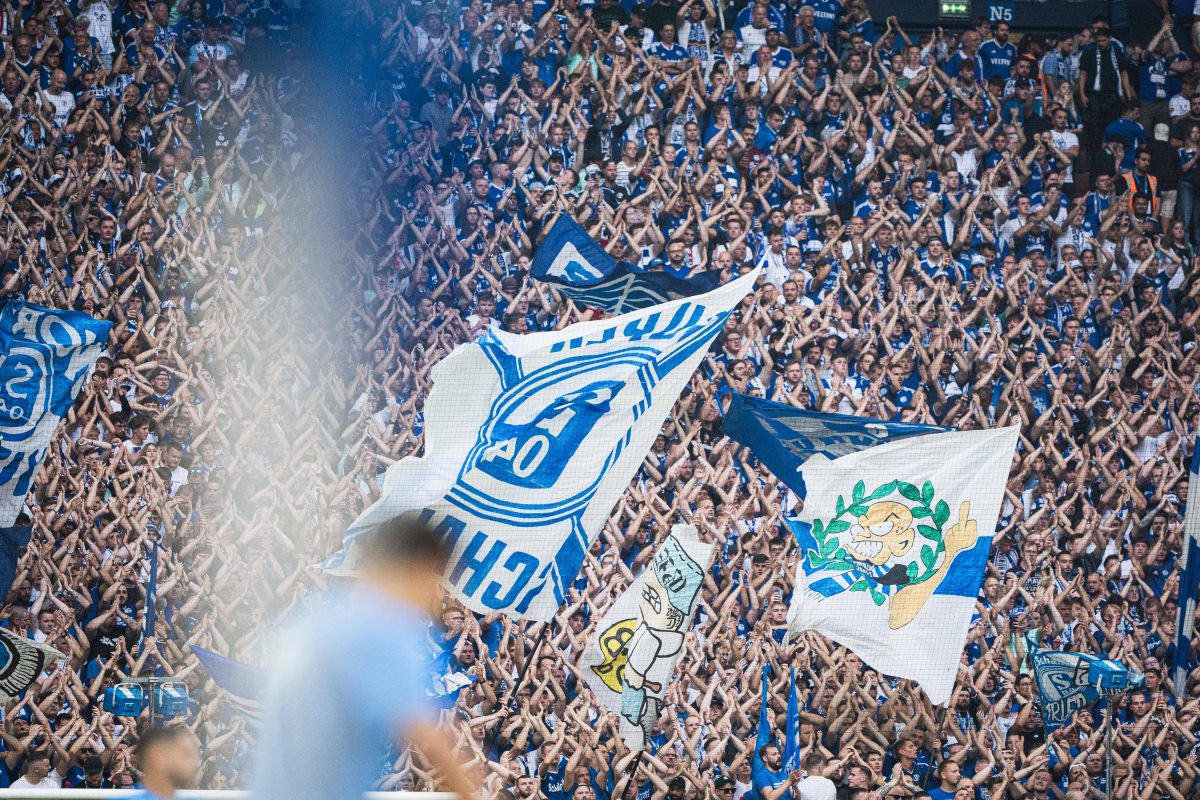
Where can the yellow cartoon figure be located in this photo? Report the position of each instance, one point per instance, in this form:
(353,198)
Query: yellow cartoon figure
(882,534)
(898,557)
(909,600)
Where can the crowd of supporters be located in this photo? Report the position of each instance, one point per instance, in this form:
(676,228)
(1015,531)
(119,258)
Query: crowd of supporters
(148,154)
(970,227)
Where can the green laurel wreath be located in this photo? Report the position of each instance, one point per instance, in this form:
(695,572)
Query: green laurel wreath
(832,557)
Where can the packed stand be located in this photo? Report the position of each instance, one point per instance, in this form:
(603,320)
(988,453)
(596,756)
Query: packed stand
(149,150)
(971,228)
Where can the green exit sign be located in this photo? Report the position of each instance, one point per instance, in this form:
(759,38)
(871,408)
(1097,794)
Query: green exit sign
(955,9)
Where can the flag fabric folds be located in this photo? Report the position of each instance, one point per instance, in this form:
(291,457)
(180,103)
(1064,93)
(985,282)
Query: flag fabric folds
(763,735)
(530,440)
(45,358)
(894,541)
(11,541)
(22,660)
(791,749)
(1189,578)
(242,683)
(640,637)
(446,688)
(151,597)
(582,270)
(784,437)
(1063,682)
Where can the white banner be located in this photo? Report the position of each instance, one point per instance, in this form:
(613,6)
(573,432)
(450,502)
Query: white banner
(894,543)
(640,638)
(530,440)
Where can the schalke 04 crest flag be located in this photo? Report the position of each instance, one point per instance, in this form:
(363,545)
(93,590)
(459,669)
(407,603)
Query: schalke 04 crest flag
(1064,683)
(1189,578)
(894,541)
(531,439)
(45,358)
(785,437)
(640,637)
(584,272)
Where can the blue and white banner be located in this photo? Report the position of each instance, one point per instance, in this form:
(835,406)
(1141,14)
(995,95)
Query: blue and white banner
(243,684)
(1065,683)
(640,638)
(584,272)
(784,437)
(894,541)
(1189,577)
(530,440)
(45,358)
(21,662)
(446,688)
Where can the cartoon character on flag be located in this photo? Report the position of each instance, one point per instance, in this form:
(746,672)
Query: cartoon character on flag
(896,542)
(641,653)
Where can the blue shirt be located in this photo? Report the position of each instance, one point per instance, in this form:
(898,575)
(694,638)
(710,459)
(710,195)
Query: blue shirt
(997,58)
(349,677)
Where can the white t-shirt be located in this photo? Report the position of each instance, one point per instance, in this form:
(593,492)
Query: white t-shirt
(1065,140)
(64,104)
(51,781)
(815,787)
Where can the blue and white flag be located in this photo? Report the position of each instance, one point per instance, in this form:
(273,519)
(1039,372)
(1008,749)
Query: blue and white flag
(584,272)
(784,437)
(1189,577)
(446,688)
(1065,684)
(530,440)
(894,542)
(242,683)
(640,638)
(45,358)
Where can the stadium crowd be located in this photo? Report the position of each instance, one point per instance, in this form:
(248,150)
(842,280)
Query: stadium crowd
(970,228)
(150,154)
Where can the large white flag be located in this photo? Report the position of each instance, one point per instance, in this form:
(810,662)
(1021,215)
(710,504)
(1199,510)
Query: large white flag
(530,440)
(894,542)
(640,638)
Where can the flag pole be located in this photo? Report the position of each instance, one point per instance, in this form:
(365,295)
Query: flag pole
(937,739)
(1108,755)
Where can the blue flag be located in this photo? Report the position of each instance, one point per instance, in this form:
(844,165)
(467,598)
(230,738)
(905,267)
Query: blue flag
(791,752)
(45,358)
(151,597)
(11,542)
(584,272)
(764,717)
(784,437)
(242,683)
(1068,682)
(1189,577)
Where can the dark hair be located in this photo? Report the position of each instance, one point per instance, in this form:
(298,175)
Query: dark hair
(156,737)
(38,755)
(406,539)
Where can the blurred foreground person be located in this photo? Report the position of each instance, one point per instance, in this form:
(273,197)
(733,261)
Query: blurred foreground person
(346,681)
(169,760)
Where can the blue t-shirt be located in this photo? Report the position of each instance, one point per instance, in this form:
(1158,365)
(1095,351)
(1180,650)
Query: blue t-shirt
(997,58)
(347,679)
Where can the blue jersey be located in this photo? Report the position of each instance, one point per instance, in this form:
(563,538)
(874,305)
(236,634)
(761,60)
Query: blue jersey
(998,59)
(351,669)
